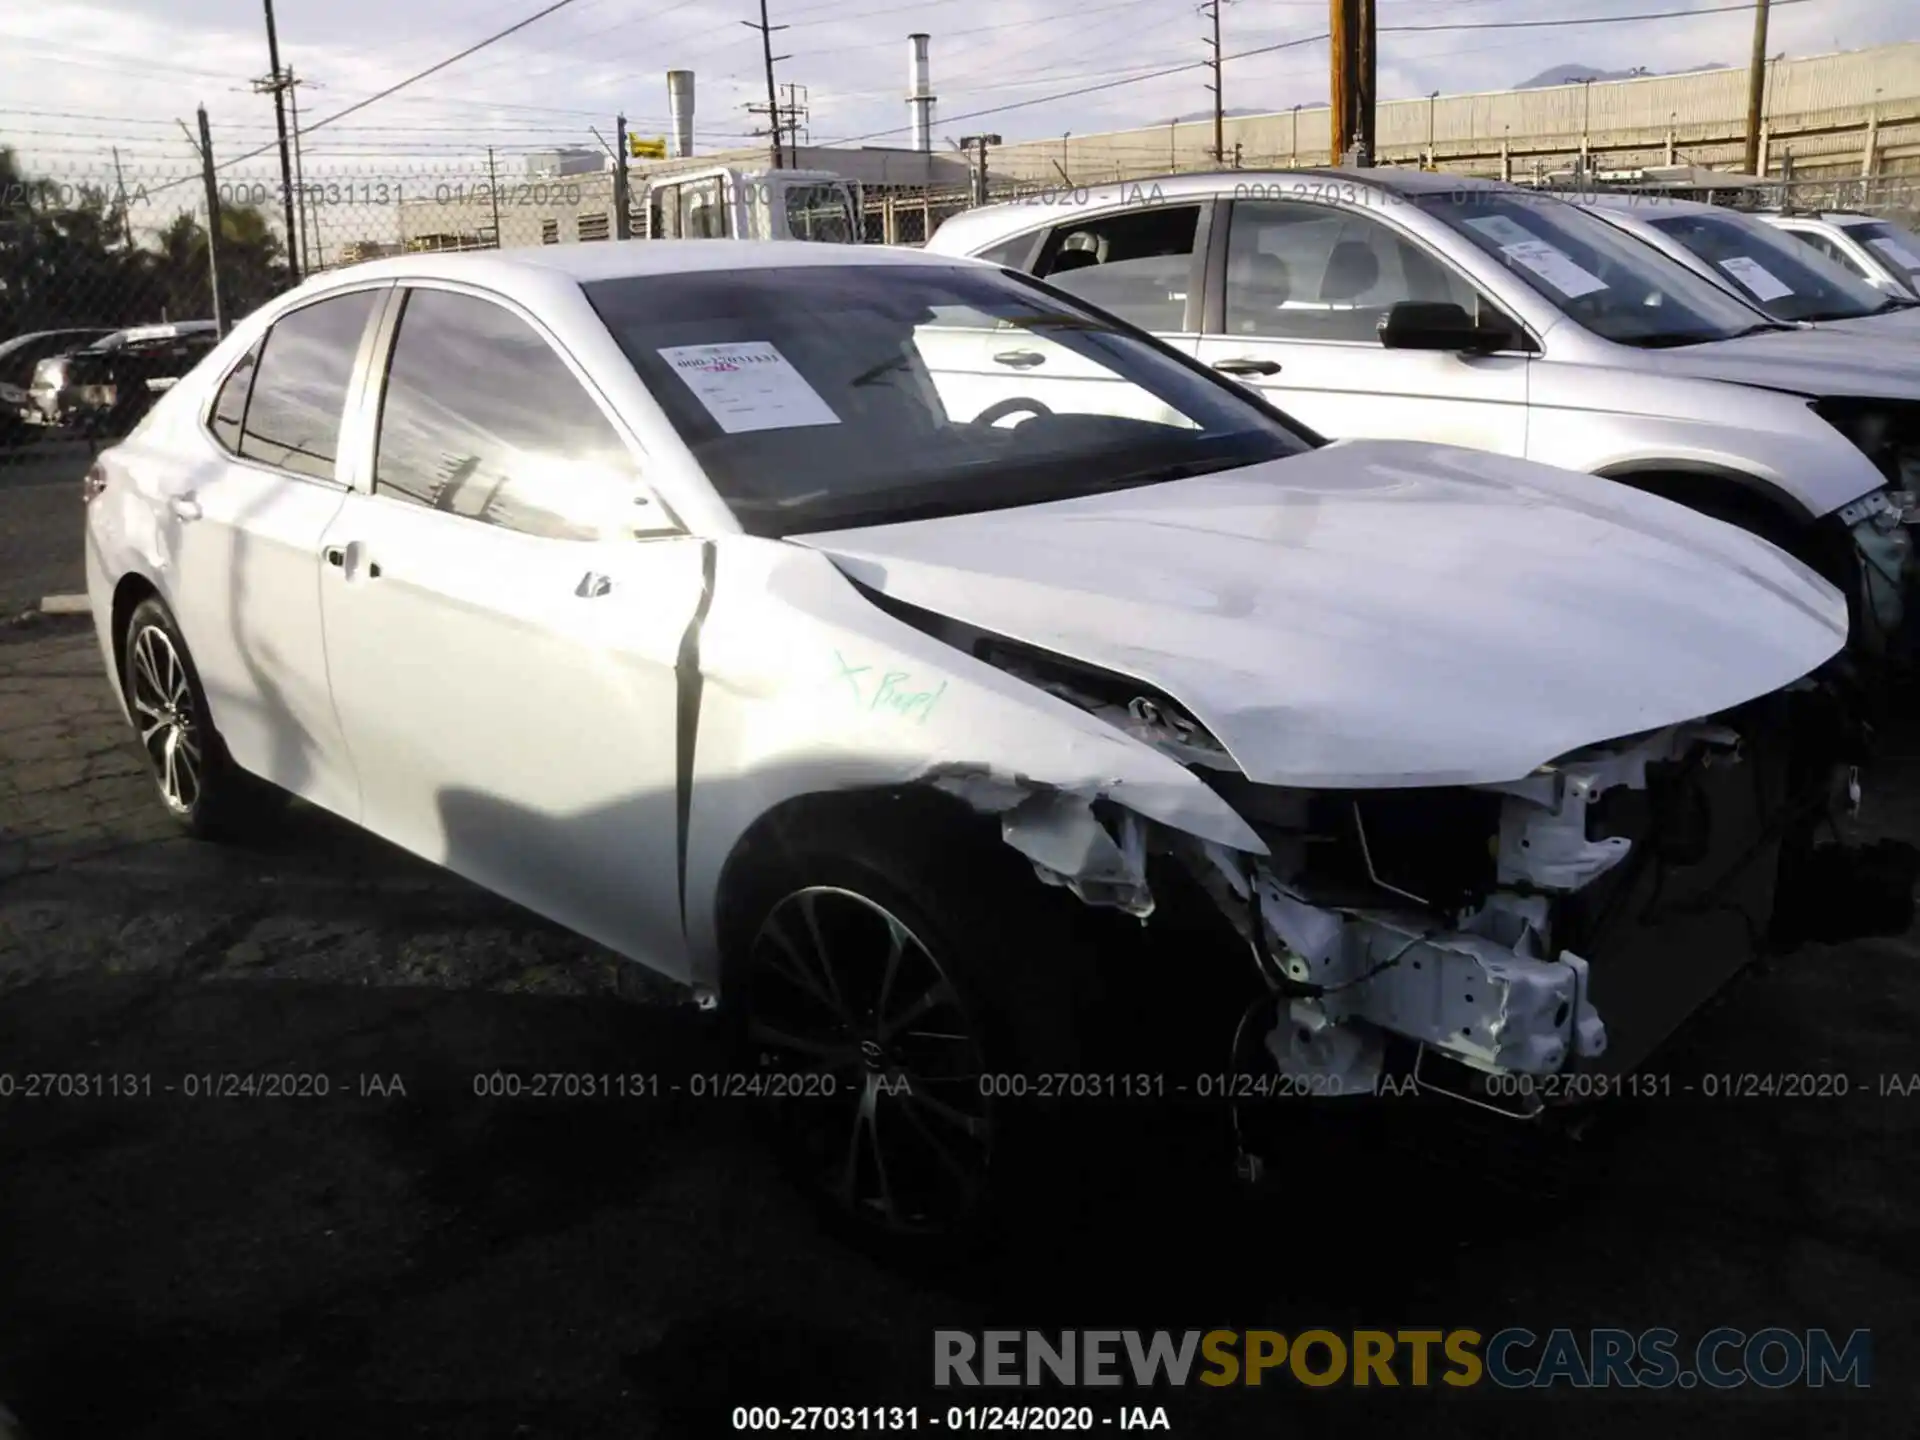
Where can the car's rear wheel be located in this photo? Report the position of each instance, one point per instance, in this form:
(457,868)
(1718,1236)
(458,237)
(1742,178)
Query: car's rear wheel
(906,1007)
(207,795)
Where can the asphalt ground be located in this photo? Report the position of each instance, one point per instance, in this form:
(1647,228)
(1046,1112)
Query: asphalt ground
(403,1256)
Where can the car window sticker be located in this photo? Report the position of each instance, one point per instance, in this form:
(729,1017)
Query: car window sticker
(1762,282)
(1896,252)
(748,385)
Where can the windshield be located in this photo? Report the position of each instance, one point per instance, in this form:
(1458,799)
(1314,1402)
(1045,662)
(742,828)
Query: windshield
(1788,280)
(817,397)
(820,212)
(1612,284)
(1894,246)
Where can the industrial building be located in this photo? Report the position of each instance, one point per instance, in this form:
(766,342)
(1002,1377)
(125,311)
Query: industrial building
(1849,115)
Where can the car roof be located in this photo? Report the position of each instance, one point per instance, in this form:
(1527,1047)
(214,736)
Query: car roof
(974,229)
(624,259)
(1831,217)
(1651,204)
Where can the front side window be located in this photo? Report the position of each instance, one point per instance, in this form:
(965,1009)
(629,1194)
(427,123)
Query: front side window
(481,417)
(822,396)
(1310,272)
(293,416)
(1620,288)
(1893,246)
(1139,264)
(1785,279)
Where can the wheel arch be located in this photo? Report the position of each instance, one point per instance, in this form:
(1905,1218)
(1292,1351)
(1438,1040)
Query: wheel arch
(781,829)
(1734,496)
(131,589)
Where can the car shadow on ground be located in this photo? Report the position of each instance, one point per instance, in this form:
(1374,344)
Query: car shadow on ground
(412,1251)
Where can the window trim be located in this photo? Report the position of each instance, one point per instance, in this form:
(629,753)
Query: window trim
(1533,344)
(371,401)
(350,404)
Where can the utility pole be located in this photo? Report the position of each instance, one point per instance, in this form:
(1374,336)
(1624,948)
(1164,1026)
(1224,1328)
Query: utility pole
(1212,9)
(978,145)
(796,116)
(493,193)
(1340,80)
(213,218)
(1364,149)
(622,185)
(120,185)
(1756,85)
(773,96)
(299,174)
(277,84)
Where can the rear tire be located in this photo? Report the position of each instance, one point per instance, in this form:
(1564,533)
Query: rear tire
(206,794)
(911,989)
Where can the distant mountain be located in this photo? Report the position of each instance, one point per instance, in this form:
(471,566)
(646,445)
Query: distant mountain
(1574,74)
(1199,115)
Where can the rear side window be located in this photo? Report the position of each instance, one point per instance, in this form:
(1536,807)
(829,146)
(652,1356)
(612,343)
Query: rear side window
(230,405)
(482,418)
(1137,264)
(300,388)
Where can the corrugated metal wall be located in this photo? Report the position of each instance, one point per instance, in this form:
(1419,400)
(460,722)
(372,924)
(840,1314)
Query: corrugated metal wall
(1820,107)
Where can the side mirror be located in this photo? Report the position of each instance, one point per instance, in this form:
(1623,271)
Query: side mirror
(1442,325)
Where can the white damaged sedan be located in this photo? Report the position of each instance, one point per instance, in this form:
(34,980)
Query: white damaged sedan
(851,633)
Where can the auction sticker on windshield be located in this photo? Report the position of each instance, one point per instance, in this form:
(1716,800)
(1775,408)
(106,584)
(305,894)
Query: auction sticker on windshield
(1896,252)
(749,385)
(1503,231)
(1555,267)
(1764,284)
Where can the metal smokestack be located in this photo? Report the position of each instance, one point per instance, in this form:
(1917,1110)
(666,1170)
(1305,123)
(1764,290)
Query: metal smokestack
(680,108)
(919,92)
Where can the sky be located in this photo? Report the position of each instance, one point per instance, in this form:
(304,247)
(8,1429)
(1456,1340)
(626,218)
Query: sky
(78,80)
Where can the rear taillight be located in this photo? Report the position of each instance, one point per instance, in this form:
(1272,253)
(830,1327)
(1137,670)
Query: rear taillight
(95,482)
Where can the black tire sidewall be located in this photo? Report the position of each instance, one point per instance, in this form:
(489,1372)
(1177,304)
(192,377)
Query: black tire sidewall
(211,809)
(1010,955)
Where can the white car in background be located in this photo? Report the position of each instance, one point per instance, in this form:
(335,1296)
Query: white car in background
(1401,304)
(744,608)
(1763,265)
(1882,252)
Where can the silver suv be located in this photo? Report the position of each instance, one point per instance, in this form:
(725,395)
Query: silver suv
(1408,305)
(1762,264)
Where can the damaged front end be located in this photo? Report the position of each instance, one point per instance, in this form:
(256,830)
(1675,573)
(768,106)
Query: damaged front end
(1564,922)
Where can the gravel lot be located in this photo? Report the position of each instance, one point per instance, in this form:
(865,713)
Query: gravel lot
(431,1263)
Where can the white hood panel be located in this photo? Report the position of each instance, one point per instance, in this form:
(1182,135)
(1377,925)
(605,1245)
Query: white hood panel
(1381,613)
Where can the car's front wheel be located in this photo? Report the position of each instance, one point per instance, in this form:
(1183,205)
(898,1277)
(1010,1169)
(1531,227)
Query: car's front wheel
(908,1005)
(207,795)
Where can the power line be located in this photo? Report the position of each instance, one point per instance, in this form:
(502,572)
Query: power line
(1089,89)
(1582,20)
(378,95)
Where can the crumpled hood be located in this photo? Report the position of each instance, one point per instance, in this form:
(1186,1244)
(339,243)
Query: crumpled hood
(1824,361)
(1381,613)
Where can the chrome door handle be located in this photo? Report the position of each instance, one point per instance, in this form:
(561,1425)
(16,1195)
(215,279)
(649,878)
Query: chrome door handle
(592,586)
(1248,367)
(184,507)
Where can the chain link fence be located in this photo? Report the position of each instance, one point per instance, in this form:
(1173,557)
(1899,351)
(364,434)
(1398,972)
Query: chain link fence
(114,247)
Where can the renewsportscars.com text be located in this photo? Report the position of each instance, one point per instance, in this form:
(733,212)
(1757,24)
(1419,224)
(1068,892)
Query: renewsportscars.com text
(1512,1358)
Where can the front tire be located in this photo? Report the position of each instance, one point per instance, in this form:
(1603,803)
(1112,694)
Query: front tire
(905,993)
(206,794)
